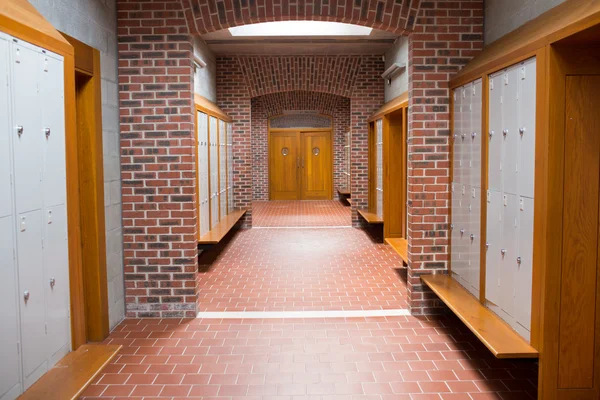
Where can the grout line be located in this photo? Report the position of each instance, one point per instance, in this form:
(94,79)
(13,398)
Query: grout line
(303,227)
(302,314)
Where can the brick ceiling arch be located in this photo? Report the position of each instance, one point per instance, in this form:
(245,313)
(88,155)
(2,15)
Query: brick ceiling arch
(273,74)
(397,16)
(277,103)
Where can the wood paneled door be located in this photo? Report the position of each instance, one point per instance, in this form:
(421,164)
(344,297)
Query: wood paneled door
(300,165)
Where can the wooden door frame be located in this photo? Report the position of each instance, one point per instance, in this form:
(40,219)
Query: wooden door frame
(299,131)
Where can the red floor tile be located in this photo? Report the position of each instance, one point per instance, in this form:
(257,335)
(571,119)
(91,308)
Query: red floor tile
(317,362)
(299,270)
(300,213)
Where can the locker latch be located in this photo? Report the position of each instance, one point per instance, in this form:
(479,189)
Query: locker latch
(26,295)
(451,226)
(47,132)
(472,237)
(52,282)
(19,130)
(473,135)
(503,251)
(487,246)
(462,232)
(462,136)
(491,133)
(519,260)
(521,131)
(505,132)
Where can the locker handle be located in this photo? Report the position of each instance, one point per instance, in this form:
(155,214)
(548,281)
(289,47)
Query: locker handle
(473,135)
(47,132)
(52,282)
(503,251)
(521,131)
(487,246)
(462,136)
(491,133)
(519,260)
(472,237)
(505,132)
(26,295)
(19,130)
(462,231)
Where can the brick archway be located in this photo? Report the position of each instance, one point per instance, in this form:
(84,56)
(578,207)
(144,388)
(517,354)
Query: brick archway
(204,16)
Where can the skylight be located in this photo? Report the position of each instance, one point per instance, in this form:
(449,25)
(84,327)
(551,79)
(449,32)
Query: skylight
(300,28)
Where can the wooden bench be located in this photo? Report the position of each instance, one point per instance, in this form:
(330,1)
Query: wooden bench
(344,191)
(349,200)
(494,333)
(216,234)
(401,247)
(370,217)
(73,373)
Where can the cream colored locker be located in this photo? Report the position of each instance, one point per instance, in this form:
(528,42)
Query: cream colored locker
(495,136)
(527,98)
(32,292)
(510,122)
(455,228)
(203,179)
(475,133)
(524,267)
(465,136)
(459,269)
(223,168)
(379,164)
(10,372)
(473,240)
(214,171)
(27,131)
(493,247)
(457,138)
(230,167)
(509,255)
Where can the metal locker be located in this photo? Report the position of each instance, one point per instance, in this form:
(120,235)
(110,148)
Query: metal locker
(508,253)
(510,132)
(203,172)
(5,132)
(214,171)
(465,135)
(27,131)
(527,108)
(493,246)
(10,373)
(56,283)
(459,269)
(457,141)
(474,239)
(495,132)
(475,134)
(379,166)
(32,293)
(51,88)
(222,168)
(524,266)
(230,166)
(454,229)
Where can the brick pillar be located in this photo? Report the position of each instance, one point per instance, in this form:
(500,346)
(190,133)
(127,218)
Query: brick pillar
(367,97)
(446,36)
(157,159)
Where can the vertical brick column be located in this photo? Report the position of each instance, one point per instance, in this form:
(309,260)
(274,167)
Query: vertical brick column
(233,97)
(157,159)
(367,97)
(446,36)
(260,150)
(341,125)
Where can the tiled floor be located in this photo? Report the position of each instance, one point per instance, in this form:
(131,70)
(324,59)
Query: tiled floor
(300,269)
(300,213)
(393,358)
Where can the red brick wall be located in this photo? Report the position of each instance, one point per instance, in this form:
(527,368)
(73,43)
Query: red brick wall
(157,159)
(263,107)
(446,36)
(213,15)
(355,77)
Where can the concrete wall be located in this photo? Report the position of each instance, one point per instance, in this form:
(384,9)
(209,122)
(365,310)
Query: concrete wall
(205,79)
(504,16)
(94,23)
(398,53)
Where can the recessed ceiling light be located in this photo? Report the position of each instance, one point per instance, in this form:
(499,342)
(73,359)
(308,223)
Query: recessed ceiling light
(300,28)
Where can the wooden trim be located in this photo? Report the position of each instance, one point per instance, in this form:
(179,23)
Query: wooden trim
(283,130)
(391,106)
(210,108)
(559,22)
(300,127)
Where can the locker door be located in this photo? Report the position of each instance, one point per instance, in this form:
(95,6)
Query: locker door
(230,166)
(495,133)
(54,175)
(222,169)
(32,290)
(475,134)
(457,142)
(28,145)
(5,132)
(454,232)
(474,239)
(509,255)
(56,282)
(379,163)
(494,245)
(10,376)
(466,134)
(203,172)
(214,172)
(527,98)
(462,220)
(510,124)
(524,272)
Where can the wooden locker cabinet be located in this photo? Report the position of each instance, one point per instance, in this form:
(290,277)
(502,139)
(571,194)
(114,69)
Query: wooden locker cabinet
(33,215)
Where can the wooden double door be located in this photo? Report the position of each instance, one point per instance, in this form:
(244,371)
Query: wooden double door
(300,165)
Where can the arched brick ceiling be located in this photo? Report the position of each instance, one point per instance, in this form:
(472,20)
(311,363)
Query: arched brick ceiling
(277,103)
(272,74)
(397,16)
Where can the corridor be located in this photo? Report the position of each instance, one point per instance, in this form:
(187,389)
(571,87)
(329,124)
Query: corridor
(295,213)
